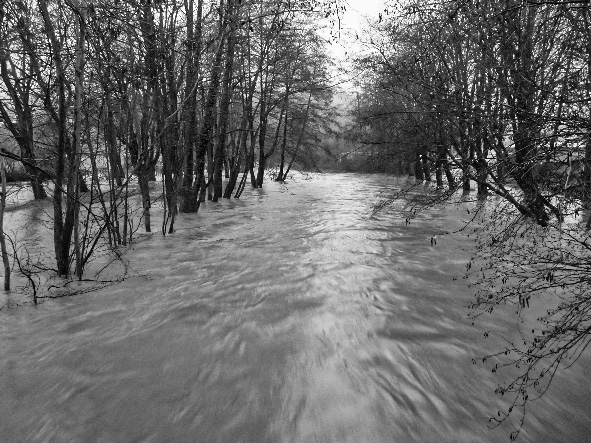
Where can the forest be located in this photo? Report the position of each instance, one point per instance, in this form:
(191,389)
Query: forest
(111,108)
(98,94)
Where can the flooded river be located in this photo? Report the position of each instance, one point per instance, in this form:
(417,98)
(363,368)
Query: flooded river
(290,315)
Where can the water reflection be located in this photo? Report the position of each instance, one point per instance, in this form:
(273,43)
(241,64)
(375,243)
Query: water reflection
(294,317)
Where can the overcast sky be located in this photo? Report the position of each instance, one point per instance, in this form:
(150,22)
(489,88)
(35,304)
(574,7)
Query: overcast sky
(358,9)
(354,23)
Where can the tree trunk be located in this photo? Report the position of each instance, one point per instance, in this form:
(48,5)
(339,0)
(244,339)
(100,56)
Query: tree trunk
(189,112)
(61,236)
(237,156)
(2,238)
(482,174)
(466,187)
(439,168)
(203,140)
(284,112)
(300,137)
(210,167)
(144,185)
(426,167)
(451,182)
(586,178)
(200,180)
(147,158)
(112,150)
(262,139)
(77,145)
(419,173)
(224,103)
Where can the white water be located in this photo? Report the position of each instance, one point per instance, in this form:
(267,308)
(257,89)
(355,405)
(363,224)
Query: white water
(291,315)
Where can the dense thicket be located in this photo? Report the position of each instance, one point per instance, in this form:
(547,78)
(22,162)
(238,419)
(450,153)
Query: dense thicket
(494,90)
(100,95)
(497,93)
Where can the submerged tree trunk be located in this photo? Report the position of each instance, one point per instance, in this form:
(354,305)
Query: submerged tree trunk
(144,185)
(203,140)
(77,145)
(111,143)
(300,137)
(238,152)
(439,170)
(419,173)
(210,166)
(482,175)
(189,192)
(2,238)
(220,152)
(262,139)
(285,113)
(426,167)
(62,231)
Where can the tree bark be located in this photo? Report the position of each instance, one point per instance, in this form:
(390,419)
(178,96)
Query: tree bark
(203,139)
(77,145)
(419,173)
(220,152)
(2,235)
(61,228)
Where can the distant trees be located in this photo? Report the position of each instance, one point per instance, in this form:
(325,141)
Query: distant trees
(99,97)
(497,93)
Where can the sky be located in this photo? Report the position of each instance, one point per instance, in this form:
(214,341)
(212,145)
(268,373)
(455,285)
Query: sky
(354,22)
(353,27)
(358,10)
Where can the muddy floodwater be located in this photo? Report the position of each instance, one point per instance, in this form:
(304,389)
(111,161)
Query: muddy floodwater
(290,315)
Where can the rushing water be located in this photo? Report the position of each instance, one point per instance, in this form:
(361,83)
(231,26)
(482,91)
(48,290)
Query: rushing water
(291,315)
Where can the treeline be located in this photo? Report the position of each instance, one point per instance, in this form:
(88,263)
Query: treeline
(484,91)
(99,95)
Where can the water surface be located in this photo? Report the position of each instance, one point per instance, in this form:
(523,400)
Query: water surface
(291,315)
